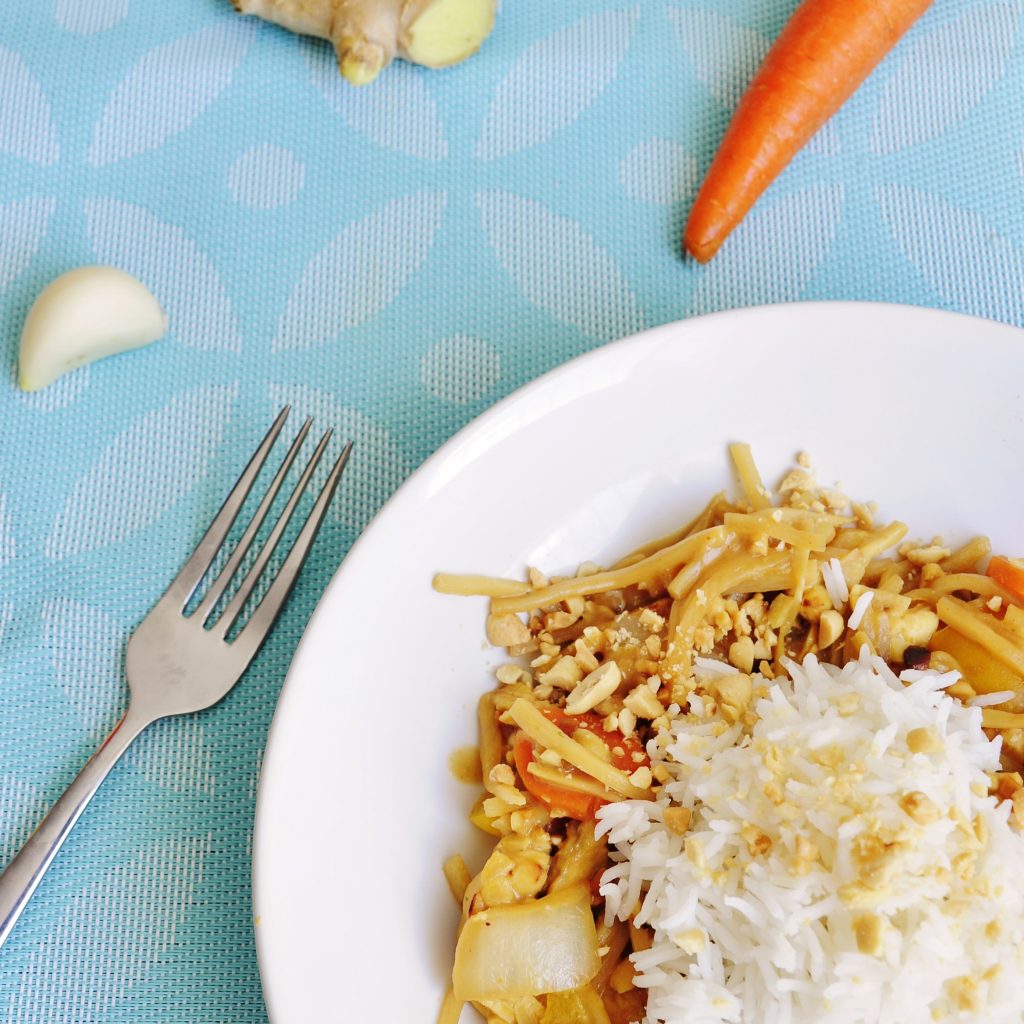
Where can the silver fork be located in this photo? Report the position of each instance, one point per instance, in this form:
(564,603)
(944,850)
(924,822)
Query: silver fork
(178,663)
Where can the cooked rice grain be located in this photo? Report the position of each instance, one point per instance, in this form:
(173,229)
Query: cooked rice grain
(833,905)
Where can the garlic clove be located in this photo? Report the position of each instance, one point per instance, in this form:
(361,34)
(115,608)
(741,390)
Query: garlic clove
(84,315)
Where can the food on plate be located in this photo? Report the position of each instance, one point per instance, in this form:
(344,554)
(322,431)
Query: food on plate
(764,770)
(368,34)
(84,315)
(825,51)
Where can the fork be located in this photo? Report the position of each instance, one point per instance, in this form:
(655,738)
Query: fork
(178,662)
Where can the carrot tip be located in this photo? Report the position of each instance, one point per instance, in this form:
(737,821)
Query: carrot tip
(702,250)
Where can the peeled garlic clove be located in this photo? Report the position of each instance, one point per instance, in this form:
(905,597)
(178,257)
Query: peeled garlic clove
(85,315)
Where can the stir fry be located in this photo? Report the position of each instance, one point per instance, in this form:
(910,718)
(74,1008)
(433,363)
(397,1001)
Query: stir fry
(601,662)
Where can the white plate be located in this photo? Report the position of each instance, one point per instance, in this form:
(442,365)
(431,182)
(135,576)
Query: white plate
(357,809)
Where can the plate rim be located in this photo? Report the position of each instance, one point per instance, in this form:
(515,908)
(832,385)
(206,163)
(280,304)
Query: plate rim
(430,467)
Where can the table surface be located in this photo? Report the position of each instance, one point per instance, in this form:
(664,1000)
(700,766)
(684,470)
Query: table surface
(391,260)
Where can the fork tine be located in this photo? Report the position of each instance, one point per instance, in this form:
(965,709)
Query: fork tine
(234,606)
(219,585)
(183,585)
(255,630)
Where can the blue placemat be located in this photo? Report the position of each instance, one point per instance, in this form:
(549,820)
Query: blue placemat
(393,260)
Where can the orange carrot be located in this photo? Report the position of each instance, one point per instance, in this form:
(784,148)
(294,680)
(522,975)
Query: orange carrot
(1008,572)
(825,51)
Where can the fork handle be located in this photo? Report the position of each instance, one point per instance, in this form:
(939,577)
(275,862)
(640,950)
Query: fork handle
(24,873)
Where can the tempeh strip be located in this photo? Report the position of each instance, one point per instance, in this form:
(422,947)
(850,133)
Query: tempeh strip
(750,479)
(613,938)
(457,875)
(800,562)
(882,540)
(478,586)
(878,567)
(711,511)
(495,1011)
(764,526)
(662,561)
(451,1009)
(973,582)
(965,620)
(852,538)
(968,556)
(490,734)
(741,572)
(854,564)
(639,938)
(548,735)
(578,859)
(687,577)
(581,784)
(993,718)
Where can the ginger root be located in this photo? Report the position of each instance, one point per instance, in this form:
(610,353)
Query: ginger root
(368,34)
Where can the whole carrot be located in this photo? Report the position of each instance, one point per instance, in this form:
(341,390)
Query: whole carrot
(825,51)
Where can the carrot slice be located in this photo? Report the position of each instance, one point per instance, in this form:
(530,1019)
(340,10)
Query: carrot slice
(825,51)
(580,806)
(627,755)
(1008,573)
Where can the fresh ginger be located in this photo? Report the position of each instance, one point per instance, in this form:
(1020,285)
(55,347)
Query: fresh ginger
(369,34)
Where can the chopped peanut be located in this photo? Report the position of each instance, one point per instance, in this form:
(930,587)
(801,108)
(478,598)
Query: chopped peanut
(643,703)
(733,693)
(626,722)
(830,628)
(869,930)
(565,674)
(925,555)
(594,688)
(677,819)
(507,630)
(924,741)
(741,654)
(920,808)
(758,842)
(584,656)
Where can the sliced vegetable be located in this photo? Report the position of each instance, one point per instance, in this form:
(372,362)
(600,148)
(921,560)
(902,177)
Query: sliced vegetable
(824,53)
(547,735)
(621,748)
(985,673)
(1008,573)
(577,794)
(527,949)
(993,718)
(451,1009)
(976,626)
(479,817)
(572,803)
(581,1006)
(625,1007)
(580,857)
(458,877)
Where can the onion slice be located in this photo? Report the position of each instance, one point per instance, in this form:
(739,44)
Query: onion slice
(527,949)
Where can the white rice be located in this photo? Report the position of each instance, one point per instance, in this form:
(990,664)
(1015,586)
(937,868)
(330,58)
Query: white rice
(748,937)
(835,582)
(712,668)
(860,608)
(988,700)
